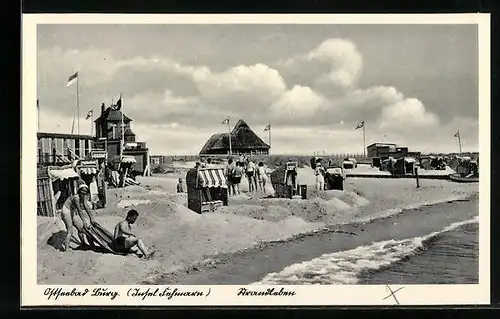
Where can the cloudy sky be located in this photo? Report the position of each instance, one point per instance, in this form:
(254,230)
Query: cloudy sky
(414,85)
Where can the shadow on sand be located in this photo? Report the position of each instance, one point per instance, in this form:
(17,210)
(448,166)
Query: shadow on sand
(56,240)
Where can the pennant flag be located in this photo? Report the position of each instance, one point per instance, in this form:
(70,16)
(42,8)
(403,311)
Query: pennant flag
(118,105)
(267,128)
(226,121)
(89,114)
(457,134)
(72,79)
(360,125)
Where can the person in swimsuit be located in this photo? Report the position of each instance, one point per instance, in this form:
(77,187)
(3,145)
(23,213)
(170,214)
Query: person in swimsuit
(76,212)
(125,241)
(250,172)
(236,175)
(262,176)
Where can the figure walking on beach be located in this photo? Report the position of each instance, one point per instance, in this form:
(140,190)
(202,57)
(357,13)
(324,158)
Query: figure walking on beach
(319,171)
(250,172)
(262,176)
(76,212)
(237,173)
(125,241)
(229,177)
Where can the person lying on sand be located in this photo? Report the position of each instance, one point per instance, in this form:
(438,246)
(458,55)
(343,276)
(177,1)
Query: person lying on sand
(76,212)
(125,241)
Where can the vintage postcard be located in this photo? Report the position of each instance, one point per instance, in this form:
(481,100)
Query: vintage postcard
(255,160)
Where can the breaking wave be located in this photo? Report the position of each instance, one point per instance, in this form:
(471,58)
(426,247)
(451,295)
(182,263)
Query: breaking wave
(345,267)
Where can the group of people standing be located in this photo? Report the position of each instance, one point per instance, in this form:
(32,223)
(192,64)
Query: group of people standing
(256,175)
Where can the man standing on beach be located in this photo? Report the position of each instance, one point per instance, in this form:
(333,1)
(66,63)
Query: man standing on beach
(250,172)
(229,177)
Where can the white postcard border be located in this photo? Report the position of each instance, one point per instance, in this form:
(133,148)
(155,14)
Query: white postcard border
(33,294)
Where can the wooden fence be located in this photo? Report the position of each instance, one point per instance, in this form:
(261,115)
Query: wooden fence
(45,199)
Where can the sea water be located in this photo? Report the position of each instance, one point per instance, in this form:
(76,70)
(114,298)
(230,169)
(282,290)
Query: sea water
(449,256)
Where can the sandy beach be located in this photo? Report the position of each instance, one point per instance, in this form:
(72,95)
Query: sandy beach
(184,239)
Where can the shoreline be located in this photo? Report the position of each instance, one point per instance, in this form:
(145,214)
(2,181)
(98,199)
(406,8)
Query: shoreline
(186,240)
(252,264)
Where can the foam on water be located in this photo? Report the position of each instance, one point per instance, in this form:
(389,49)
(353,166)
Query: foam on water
(344,267)
(394,211)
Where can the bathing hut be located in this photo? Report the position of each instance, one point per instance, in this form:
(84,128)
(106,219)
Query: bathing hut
(206,189)
(467,166)
(404,165)
(387,164)
(285,182)
(90,173)
(54,185)
(334,178)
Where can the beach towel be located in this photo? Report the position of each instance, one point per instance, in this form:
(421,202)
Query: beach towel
(269,190)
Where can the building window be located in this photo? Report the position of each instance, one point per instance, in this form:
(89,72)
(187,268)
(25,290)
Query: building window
(59,145)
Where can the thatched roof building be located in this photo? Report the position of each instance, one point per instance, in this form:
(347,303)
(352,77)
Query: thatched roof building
(243,141)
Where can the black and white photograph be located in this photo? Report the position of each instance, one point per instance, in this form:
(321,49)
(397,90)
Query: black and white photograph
(258,155)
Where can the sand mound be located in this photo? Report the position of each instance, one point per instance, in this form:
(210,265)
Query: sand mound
(240,196)
(134,189)
(132,202)
(336,204)
(268,213)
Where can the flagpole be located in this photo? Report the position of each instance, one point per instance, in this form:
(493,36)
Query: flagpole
(123,133)
(364,140)
(38,115)
(73,122)
(459,142)
(78,101)
(91,121)
(269,137)
(229,127)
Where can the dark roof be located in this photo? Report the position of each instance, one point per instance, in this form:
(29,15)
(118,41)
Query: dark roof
(382,144)
(113,116)
(242,137)
(128,132)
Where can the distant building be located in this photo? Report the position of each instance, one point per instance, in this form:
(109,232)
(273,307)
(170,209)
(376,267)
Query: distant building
(243,141)
(108,127)
(377,149)
(385,150)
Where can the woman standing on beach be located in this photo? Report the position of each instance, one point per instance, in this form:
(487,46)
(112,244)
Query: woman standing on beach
(237,173)
(76,212)
(250,172)
(262,176)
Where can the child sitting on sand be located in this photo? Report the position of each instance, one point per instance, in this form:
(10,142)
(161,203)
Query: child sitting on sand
(180,187)
(125,241)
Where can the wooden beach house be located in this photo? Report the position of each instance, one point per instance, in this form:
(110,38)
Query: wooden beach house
(108,128)
(243,141)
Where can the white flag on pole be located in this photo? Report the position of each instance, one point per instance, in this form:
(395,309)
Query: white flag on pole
(72,79)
